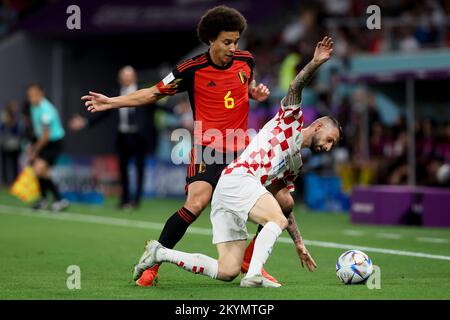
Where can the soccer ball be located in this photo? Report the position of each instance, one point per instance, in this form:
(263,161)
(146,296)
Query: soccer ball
(353,266)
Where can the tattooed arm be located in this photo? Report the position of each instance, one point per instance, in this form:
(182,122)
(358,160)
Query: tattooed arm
(293,230)
(303,253)
(322,53)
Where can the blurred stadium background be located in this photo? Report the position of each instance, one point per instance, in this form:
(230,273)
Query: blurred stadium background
(387,87)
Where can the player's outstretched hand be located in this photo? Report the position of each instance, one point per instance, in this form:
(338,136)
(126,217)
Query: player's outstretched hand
(305,258)
(259,92)
(324,49)
(97,102)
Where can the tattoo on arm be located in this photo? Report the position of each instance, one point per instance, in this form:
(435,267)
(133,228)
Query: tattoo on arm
(158,95)
(294,94)
(292,228)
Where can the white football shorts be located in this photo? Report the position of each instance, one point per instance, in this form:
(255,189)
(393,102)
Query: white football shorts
(234,196)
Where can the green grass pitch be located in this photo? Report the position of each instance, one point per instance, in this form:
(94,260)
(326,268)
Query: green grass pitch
(37,248)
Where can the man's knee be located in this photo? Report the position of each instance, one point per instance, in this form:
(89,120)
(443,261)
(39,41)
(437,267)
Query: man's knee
(228,272)
(199,195)
(196,205)
(278,219)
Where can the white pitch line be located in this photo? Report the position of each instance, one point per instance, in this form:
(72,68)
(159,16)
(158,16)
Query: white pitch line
(353,233)
(384,235)
(68,216)
(432,240)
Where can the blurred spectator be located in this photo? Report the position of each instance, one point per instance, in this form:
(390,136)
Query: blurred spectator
(135,137)
(11,129)
(183,113)
(183,118)
(406,41)
(175,114)
(304,26)
(373,114)
(398,168)
(288,70)
(346,118)
(337,8)
(376,140)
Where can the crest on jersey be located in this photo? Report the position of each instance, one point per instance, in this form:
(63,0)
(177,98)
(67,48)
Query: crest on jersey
(242,76)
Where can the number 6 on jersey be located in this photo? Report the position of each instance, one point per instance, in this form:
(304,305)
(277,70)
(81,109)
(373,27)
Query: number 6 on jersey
(229,101)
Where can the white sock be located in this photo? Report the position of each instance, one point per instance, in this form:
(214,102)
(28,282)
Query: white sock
(263,247)
(193,262)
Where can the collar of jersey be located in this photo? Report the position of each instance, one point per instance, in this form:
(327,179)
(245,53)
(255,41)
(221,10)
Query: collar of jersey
(215,66)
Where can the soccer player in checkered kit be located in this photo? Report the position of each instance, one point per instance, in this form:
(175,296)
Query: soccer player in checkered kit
(272,157)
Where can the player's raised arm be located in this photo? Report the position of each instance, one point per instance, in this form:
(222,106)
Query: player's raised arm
(323,51)
(98,102)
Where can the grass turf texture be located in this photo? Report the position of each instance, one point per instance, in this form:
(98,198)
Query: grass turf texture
(35,252)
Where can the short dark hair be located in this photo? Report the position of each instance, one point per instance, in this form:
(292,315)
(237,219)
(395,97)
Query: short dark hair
(35,85)
(337,125)
(217,19)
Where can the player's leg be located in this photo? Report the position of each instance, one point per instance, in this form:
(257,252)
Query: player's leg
(286,202)
(201,181)
(266,212)
(233,199)
(231,254)
(226,268)
(222,221)
(283,197)
(198,196)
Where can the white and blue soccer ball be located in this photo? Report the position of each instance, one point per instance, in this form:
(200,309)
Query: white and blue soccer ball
(353,266)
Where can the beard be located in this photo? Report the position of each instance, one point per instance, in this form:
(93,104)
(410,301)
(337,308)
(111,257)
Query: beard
(315,145)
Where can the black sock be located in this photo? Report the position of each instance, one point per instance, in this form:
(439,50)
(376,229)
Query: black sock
(43,187)
(259,228)
(176,227)
(54,189)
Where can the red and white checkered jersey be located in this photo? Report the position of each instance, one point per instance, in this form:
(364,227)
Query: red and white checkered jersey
(274,153)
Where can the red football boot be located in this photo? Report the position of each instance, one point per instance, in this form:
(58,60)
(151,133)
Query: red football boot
(149,277)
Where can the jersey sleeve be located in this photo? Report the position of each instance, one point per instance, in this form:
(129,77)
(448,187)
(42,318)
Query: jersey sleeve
(289,114)
(175,82)
(249,60)
(45,119)
(251,64)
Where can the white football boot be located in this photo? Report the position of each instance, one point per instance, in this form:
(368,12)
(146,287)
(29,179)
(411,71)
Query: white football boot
(258,281)
(148,258)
